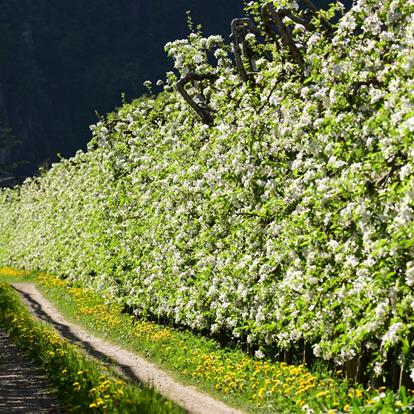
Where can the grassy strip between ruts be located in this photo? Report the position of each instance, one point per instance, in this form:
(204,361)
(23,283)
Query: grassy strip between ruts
(83,385)
(260,386)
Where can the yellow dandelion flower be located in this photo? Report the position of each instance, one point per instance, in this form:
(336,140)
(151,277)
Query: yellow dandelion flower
(261,392)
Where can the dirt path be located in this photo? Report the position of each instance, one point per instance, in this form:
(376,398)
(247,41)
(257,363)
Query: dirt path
(129,364)
(23,389)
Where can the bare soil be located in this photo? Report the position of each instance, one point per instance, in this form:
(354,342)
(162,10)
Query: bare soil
(126,362)
(23,389)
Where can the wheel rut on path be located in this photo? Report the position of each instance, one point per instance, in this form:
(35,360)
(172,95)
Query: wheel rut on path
(23,388)
(125,362)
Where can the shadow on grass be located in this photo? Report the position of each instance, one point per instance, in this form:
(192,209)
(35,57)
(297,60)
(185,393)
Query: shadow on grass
(23,389)
(67,333)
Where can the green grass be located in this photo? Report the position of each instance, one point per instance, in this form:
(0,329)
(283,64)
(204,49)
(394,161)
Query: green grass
(83,385)
(258,386)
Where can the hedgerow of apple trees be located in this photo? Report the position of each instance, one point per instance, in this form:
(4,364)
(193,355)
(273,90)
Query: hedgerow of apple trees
(286,225)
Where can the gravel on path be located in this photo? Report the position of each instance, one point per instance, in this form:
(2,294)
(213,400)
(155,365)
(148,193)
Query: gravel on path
(127,363)
(23,388)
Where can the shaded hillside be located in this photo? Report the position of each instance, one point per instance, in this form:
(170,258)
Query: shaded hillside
(62,61)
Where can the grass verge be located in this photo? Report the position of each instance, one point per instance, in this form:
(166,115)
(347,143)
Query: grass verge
(83,385)
(259,386)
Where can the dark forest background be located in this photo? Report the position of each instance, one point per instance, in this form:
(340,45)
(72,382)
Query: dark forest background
(62,61)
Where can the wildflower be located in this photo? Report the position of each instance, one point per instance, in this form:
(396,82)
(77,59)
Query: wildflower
(261,392)
(409,274)
(148,84)
(198,59)
(377,368)
(317,350)
(391,335)
(250,37)
(259,354)
(314,39)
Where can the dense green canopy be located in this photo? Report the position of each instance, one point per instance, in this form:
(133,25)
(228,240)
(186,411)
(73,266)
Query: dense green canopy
(287,223)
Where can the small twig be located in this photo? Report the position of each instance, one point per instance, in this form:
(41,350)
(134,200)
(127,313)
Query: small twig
(372,81)
(351,96)
(266,22)
(239,27)
(385,177)
(400,380)
(309,4)
(203,112)
(285,35)
(267,99)
(300,20)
